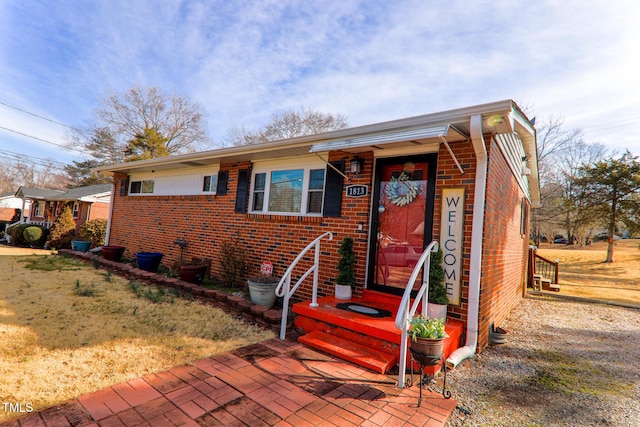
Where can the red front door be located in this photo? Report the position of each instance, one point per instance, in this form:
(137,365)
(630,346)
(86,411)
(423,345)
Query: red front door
(402,219)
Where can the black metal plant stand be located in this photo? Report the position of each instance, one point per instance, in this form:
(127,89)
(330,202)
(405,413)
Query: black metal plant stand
(427,360)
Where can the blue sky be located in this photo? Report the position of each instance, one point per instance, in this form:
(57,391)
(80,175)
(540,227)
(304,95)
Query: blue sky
(369,60)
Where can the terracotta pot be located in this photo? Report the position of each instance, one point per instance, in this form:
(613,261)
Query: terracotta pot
(192,273)
(112,253)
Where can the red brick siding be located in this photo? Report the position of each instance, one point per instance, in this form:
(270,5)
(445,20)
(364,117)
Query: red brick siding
(449,176)
(143,223)
(504,258)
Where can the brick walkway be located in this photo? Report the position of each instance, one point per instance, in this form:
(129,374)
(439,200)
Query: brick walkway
(281,383)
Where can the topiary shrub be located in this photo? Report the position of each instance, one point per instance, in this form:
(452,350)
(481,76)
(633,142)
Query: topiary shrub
(33,238)
(94,230)
(346,271)
(32,234)
(437,288)
(63,230)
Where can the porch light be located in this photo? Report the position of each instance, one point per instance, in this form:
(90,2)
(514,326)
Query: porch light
(356,165)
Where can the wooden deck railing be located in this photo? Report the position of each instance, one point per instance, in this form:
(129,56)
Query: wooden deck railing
(542,266)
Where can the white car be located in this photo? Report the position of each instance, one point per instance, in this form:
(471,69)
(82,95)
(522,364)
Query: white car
(402,255)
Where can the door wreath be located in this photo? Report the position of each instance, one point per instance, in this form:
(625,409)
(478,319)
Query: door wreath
(401,191)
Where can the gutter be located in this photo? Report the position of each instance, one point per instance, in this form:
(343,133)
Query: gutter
(479,194)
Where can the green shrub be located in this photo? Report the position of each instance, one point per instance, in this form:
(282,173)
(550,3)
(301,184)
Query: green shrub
(63,230)
(19,238)
(437,288)
(31,234)
(94,230)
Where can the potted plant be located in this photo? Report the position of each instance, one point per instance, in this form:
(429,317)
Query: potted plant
(438,297)
(427,338)
(149,261)
(193,271)
(112,252)
(262,288)
(346,280)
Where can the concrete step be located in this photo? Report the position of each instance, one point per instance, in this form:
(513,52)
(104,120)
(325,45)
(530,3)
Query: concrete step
(353,352)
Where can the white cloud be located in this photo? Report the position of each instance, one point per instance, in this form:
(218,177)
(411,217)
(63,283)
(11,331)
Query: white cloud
(372,61)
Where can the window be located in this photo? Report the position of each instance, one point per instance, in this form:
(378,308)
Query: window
(75,209)
(37,210)
(258,191)
(290,191)
(316,191)
(210,184)
(145,187)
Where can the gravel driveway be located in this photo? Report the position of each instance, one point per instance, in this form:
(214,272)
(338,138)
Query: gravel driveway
(565,363)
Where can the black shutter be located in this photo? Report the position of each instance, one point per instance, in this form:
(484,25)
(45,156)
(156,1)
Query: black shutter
(242,193)
(333,190)
(223,179)
(124,187)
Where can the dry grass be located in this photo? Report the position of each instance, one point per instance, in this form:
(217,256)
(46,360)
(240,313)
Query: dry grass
(583,272)
(74,330)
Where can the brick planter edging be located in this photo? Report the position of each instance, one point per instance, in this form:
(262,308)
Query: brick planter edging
(235,305)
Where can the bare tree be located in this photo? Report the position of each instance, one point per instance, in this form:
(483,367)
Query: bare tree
(561,152)
(124,117)
(289,124)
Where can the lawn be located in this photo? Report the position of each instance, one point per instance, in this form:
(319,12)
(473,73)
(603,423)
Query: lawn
(67,329)
(583,272)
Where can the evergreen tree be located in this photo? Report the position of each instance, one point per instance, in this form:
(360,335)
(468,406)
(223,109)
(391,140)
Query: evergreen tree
(63,230)
(146,145)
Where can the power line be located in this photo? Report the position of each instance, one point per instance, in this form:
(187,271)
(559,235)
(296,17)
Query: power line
(24,157)
(39,116)
(43,140)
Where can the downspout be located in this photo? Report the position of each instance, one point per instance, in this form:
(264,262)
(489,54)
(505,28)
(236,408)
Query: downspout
(111,202)
(479,194)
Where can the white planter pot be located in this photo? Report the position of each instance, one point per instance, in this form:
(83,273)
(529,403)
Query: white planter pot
(437,311)
(343,292)
(262,293)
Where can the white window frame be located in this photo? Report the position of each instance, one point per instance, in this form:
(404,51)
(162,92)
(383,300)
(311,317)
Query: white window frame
(142,184)
(36,209)
(75,210)
(213,183)
(307,164)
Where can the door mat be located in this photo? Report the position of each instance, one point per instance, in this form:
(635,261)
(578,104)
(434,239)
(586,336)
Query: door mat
(363,309)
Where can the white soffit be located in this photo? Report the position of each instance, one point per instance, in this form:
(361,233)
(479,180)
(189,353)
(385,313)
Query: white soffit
(381,138)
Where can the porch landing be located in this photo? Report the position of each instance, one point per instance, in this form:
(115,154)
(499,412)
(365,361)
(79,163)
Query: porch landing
(371,342)
(279,383)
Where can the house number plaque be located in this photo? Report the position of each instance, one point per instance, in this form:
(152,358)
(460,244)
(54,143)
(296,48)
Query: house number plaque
(357,190)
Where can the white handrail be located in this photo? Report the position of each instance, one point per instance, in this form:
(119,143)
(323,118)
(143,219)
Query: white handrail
(288,292)
(405,313)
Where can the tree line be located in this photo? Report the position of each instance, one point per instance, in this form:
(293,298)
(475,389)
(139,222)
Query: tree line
(144,123)
(584,189)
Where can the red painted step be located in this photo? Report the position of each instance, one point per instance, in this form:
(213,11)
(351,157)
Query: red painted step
(348,350)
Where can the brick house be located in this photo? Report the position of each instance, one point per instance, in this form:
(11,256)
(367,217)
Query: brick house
(464,177)
(9,203)
(41,206)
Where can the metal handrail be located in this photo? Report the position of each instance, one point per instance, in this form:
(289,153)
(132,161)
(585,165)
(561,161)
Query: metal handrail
(286,279)
(406,313)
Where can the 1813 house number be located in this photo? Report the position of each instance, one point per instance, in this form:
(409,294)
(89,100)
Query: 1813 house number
(357,190)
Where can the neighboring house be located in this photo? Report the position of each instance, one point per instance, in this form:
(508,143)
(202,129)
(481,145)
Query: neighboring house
(8,205)
(42,206)
(465,177)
